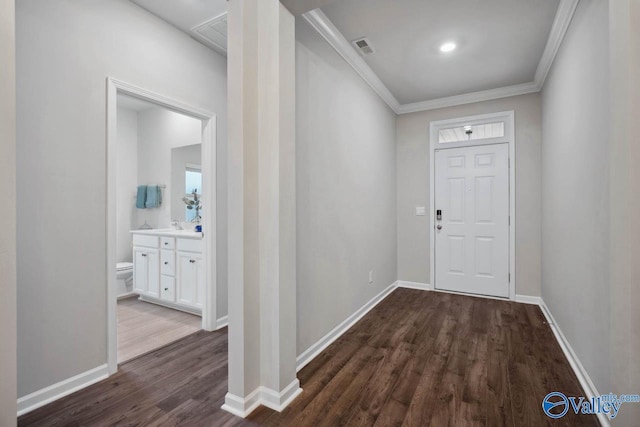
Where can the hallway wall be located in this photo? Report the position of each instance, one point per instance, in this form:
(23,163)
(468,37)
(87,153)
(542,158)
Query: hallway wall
(7,214)
(624,209)
(65,52)
(575,188)
(413,187)
(346,189)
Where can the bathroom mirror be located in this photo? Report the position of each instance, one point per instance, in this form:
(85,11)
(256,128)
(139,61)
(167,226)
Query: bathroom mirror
(186,183)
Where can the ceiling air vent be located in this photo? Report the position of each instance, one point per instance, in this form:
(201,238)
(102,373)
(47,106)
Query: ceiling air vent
(363,46)
(213,33)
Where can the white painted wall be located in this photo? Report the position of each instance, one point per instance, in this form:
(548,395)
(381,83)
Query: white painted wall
(413,187)
(575,188)
(160,130)
(126,182)
(65,52)
(346,189)
(624,186)
(7,214)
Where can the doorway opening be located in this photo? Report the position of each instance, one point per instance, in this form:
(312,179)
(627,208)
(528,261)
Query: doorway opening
(160,222)
(472,200)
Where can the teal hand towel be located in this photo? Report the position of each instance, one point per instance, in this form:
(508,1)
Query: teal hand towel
(154,198)
(141,197)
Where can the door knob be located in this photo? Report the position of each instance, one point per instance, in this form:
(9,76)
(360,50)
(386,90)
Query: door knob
(192,261)
(439,227)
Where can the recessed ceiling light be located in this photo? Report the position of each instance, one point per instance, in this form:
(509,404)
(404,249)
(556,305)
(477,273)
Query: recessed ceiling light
(447,47)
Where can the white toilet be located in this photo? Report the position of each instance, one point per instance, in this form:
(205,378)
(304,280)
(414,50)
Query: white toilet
(124,276)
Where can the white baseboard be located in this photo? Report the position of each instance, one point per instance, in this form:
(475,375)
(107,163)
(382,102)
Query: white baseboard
(582,374)
(272,399)
(169,304)
(309,354)
(414,285)
(242,407)
(126,296)
(429,287)
(528,299)
(524,299)
(56,391)
(222,322)
(278,401)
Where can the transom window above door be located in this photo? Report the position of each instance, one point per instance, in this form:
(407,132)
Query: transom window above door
(471,132)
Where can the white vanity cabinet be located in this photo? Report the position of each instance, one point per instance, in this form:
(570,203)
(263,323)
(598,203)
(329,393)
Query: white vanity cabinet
(168,269)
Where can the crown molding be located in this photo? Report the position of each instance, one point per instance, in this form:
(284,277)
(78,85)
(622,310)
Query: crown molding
(561,23)
(319,21)
(334,37)
(469,98)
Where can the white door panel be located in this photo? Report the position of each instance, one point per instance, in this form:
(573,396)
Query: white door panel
(472,238)
(190,286)
(140,271)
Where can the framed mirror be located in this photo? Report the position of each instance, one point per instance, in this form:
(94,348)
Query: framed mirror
(186,180)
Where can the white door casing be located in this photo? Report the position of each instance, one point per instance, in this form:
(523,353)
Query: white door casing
(209,143)
(436,143)
(472,236)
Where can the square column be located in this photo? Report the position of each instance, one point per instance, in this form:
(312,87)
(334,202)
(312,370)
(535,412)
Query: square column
(262,216)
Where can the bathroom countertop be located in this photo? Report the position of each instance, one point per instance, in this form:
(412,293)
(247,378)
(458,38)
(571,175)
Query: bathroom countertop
(169,232)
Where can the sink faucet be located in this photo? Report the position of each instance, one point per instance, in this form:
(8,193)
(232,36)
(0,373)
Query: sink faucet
(176,224)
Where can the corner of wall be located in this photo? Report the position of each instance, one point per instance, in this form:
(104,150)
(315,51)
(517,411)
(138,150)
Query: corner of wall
(8,280)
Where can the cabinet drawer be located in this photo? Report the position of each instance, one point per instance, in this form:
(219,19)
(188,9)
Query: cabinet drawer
(168,263)
(167,288)
(167,243)
(146,241)
(190,245)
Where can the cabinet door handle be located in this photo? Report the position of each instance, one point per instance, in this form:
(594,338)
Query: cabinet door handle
(166,243)
(166,289)
(166,263)
(143,254)
(192,261)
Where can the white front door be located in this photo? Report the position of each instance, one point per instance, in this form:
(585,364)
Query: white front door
(472,234)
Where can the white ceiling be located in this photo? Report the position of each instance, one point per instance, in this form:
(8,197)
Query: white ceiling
(504,47)
(500,42)
(298,7)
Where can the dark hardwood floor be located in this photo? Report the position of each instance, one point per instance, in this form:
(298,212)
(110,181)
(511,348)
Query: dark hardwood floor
(417,359)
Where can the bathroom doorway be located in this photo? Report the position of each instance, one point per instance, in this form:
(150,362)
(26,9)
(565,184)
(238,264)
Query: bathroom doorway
(161,221)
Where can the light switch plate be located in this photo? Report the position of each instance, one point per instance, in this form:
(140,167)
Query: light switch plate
(420,211)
